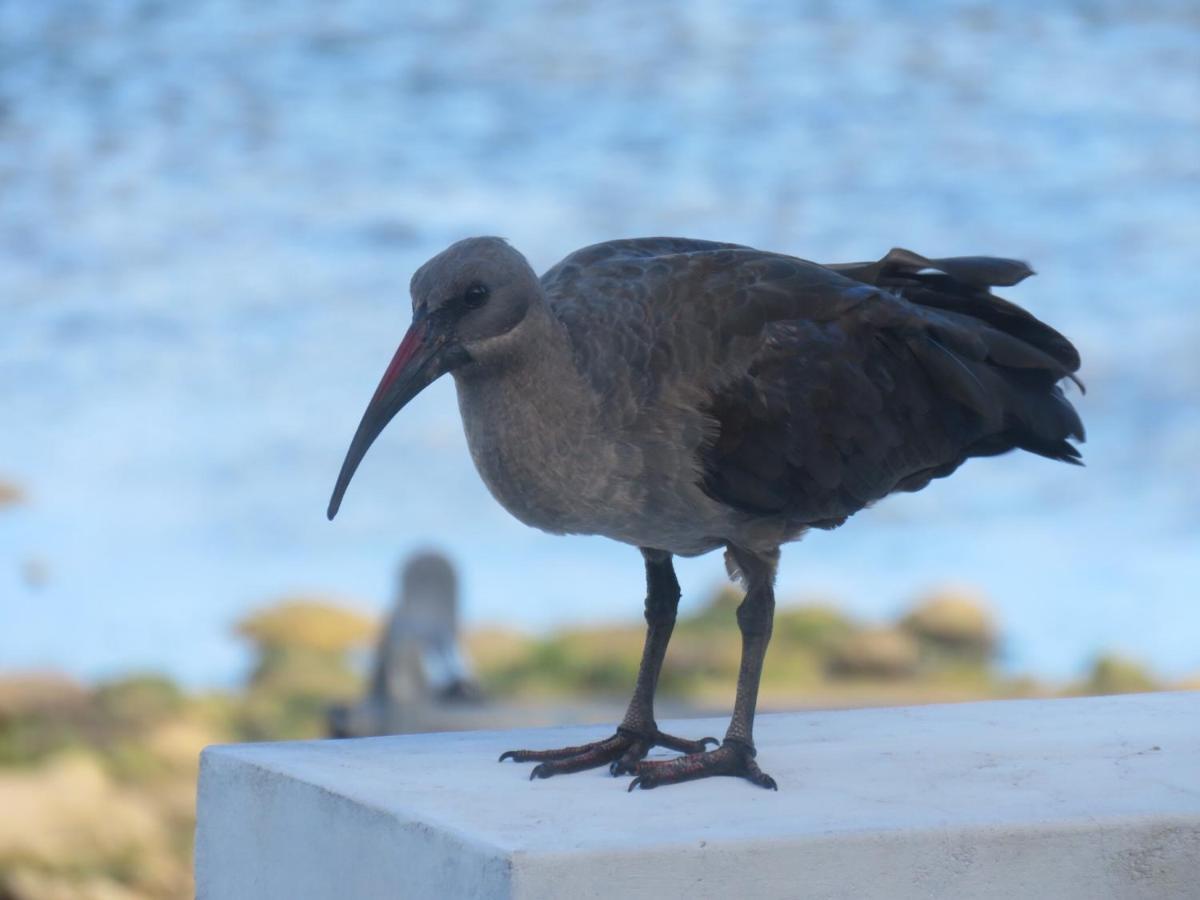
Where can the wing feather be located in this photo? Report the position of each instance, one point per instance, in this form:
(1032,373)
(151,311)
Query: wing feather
(820,388)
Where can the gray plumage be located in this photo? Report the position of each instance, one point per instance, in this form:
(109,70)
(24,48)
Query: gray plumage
(682,395)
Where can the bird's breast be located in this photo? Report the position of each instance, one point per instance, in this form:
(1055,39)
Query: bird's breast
(541,458)
(562,468)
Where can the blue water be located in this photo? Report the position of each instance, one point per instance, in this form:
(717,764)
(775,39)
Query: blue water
(209,213)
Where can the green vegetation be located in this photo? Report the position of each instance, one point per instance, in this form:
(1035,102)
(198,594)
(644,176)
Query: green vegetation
(97,785)
(1112,674)
(942,649)
(302,648)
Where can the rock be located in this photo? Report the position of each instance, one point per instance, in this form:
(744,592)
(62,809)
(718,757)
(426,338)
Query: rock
(1113,674)
(955,620)
(875,653)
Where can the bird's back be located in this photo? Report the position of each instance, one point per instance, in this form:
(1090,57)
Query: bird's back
(800,393)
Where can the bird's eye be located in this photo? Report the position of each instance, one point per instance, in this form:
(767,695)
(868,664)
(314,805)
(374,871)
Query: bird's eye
(476,295)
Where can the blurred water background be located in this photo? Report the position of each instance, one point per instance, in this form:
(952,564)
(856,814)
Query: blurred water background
(209,213)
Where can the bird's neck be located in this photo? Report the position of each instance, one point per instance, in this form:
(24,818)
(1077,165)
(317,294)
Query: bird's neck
(530,422)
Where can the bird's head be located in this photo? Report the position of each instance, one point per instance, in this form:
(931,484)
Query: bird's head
(467,302)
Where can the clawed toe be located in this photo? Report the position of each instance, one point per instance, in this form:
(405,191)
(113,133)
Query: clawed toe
(683,745)
(598,753)
(626,765)
(622,752)
(731,758)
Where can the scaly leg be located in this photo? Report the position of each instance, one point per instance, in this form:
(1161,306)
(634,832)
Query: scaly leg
(736,754)
(638,731)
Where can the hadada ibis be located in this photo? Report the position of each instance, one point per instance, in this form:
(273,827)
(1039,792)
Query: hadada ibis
(683,396)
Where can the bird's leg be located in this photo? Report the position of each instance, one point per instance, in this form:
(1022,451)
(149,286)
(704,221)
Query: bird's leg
(662,602)
(736,754)
(638,731)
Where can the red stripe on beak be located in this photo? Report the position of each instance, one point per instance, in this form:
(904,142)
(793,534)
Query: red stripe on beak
(414,340)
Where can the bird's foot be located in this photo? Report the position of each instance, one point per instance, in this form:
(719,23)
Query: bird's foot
(733,757)
(622,752)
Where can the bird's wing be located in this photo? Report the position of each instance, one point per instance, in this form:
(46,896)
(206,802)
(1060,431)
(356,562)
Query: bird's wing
(821,389)
(632,249)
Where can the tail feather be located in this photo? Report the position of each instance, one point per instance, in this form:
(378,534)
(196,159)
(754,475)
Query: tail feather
(961,284)
(988,354)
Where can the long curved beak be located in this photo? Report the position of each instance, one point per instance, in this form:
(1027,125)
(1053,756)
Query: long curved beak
(409,373)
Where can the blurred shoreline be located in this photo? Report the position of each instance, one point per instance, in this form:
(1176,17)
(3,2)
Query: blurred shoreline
(97,780)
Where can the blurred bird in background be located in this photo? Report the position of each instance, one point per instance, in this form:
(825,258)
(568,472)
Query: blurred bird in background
(418,661)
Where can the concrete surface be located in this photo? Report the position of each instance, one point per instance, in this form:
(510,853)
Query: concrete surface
(1082,798)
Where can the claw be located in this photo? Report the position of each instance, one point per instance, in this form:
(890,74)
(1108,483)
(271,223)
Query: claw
(622,766)
(710,740)
(759,777)
(620,753)
(732,758)
(637,781)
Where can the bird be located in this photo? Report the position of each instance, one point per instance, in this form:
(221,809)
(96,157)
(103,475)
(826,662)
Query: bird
(683,396)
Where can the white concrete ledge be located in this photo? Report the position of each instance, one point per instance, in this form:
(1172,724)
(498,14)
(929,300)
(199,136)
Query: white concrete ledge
(1089,798)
